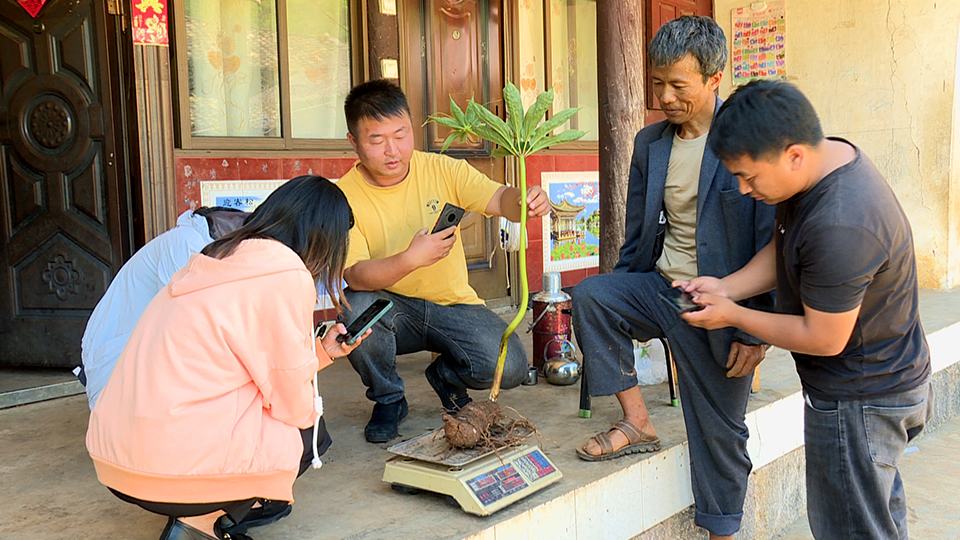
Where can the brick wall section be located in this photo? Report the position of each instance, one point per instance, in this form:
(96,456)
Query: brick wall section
(192,170)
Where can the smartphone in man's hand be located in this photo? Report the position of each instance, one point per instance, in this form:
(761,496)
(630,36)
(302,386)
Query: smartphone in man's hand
(450,216)
(680,300)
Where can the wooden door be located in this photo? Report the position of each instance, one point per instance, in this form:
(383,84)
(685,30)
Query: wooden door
(63,205)
(453,48)
(657,13)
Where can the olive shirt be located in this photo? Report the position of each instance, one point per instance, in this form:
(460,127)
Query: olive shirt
(679,257)
(387,218)
(843,243)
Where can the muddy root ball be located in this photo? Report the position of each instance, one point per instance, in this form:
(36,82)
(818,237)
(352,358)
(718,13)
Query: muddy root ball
(472,424)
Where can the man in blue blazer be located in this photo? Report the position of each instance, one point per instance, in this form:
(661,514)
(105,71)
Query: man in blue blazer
(685,217)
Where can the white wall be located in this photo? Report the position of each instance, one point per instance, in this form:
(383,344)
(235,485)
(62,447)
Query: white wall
(883,75)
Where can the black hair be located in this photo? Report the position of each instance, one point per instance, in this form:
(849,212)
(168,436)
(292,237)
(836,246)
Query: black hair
(308,214)
(377,99)
(207,210)
(762,119)
(699,36)
(221,219)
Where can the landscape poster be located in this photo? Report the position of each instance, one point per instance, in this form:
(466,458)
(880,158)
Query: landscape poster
(571,232)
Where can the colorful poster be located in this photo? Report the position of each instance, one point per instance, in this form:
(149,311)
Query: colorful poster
(571,232)
(149,22)
(32,6)
(759,42)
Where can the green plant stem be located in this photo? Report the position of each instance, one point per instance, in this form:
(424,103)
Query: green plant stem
(524,286)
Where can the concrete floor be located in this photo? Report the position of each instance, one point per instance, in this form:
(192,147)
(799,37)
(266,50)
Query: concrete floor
(931,478)
(51,490)
(50,481)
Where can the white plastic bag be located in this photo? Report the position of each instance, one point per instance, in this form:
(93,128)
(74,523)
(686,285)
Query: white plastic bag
(650,361)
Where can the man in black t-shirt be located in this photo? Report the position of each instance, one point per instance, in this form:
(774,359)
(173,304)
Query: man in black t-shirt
(843,266)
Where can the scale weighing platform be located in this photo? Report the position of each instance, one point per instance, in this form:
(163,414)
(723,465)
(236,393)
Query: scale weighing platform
(480,482)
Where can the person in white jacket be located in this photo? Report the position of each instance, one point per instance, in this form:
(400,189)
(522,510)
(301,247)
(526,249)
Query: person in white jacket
(135,285)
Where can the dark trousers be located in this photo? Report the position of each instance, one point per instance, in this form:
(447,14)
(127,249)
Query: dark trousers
(852,449)
(237,510)
(609,311)
(467,338)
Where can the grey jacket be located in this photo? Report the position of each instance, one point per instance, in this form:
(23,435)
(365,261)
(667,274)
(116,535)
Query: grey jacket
(731,227)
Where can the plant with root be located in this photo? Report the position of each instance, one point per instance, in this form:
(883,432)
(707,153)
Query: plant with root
(520,135)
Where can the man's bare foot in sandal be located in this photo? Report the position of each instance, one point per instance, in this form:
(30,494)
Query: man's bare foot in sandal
(633,434)
(622,439)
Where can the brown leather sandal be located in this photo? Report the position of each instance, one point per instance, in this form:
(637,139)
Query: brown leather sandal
(637,442)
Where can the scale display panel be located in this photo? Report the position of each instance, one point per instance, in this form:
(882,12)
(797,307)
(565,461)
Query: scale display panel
(507,480)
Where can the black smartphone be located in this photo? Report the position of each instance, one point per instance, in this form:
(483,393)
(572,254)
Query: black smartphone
(366,320)
(679,300)
(450,216)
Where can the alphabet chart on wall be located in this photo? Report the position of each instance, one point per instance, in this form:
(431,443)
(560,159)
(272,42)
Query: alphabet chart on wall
(759,42)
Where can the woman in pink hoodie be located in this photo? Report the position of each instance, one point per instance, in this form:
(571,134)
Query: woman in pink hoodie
(202,415)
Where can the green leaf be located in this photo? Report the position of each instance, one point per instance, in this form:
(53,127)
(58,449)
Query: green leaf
(535,114)
(471,118)
(514,104)
(449,141)
(451,123)
(567,136)
(553,123)
(496,124)
(488,133)
(500,152)
(456,112)
(486,117)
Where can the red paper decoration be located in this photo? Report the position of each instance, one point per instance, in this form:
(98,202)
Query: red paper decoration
(32,6)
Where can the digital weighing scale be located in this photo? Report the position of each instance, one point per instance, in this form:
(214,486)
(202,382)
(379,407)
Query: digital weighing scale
(480,482)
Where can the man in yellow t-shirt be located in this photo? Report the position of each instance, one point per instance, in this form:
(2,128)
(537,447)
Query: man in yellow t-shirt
(397,194)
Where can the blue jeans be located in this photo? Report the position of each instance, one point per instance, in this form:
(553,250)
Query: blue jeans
(609,310)
(467,338)
(854,490)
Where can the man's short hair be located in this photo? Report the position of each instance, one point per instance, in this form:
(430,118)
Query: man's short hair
(699,36)
(377,99)
(761,119)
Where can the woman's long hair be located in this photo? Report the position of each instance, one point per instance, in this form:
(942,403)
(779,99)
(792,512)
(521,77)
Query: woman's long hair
(311,216)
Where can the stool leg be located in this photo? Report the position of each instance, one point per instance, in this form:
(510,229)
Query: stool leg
(755,385)
(584,392)
(671,373)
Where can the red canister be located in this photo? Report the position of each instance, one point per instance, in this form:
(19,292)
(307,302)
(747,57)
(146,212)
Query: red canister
(551,321)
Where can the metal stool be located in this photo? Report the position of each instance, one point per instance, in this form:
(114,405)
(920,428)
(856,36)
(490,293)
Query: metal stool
(671,381)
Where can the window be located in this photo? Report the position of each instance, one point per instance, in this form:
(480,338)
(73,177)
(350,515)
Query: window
(266,74)
(572,61)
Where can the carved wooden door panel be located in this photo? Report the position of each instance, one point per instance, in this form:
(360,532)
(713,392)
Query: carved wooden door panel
(452,48)
(62,208)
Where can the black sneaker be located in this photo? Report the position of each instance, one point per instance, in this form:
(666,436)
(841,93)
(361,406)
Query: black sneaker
(385,420)
(269,511)
(452,398)
(178,530)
